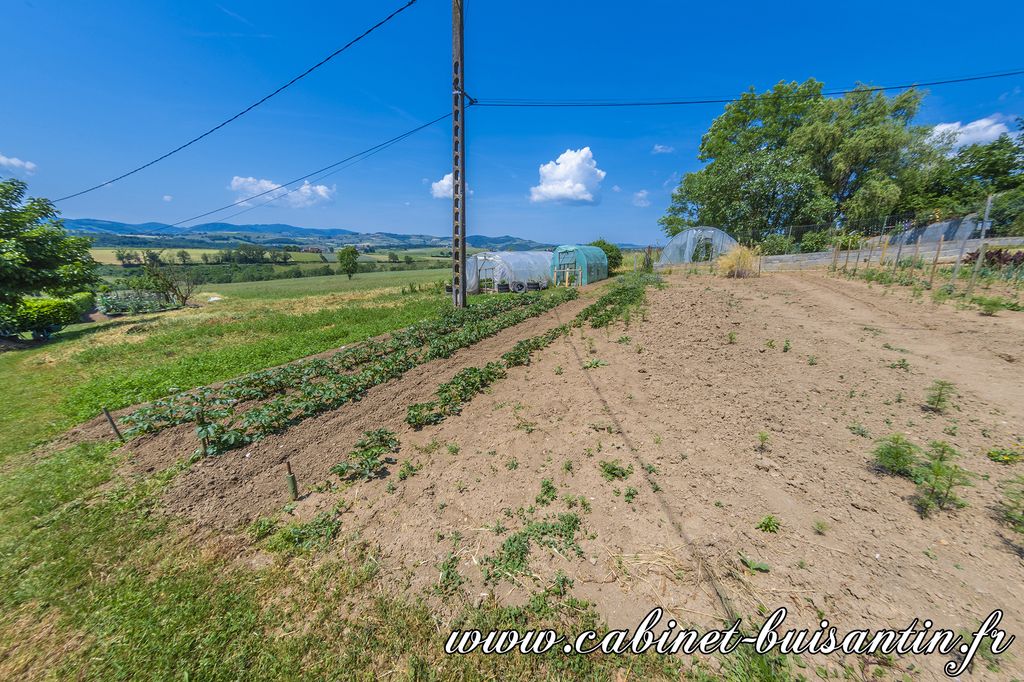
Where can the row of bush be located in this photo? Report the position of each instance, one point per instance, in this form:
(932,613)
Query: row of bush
(43,317)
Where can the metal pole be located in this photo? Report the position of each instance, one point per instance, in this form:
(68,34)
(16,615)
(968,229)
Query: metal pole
(458,160)
(113,424)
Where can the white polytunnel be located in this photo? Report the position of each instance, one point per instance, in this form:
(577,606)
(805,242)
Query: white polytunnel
(515,271)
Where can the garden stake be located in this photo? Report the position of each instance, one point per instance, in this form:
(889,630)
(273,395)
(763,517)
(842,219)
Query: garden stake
(293,485)
(935,263)
(113,425)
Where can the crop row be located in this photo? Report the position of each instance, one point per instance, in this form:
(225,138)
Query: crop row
(240,413)
(625,294)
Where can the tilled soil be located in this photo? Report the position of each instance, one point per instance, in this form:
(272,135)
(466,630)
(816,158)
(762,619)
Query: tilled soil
(683,406)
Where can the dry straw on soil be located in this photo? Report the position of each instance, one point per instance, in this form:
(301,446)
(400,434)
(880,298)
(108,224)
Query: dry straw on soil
(739,261)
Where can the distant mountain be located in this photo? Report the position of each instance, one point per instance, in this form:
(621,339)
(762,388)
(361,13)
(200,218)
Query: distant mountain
(148,235)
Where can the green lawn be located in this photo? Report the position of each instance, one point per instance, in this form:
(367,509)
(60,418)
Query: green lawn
(316,286)
(133,359)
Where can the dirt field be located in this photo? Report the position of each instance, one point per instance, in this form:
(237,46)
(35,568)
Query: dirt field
(683,407)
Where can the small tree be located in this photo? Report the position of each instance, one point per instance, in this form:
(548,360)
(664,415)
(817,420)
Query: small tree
(392,257)
(36,253)
(177,284)
(408,259)
(184,257)
(613,252)
(348,261)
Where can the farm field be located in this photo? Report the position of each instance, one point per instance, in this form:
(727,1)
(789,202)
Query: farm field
(256,324)
(623,467)
(106,256)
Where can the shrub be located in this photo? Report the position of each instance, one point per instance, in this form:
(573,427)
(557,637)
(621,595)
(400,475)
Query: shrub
(938,478)
(938,395)
(737,262)
(1012,505)
(775,244)
(896,455)
(84,302)
(613,252)
(40,316)
(813,242)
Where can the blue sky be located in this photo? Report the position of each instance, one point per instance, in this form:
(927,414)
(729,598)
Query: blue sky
(94,89)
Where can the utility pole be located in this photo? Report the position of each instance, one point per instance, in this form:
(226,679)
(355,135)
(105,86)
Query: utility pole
(458,160)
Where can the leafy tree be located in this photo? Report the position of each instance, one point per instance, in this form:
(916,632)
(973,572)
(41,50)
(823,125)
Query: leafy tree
(408,259)
(792,156)
(249,253)
(392,257)
(184,257)
(613,252)
(36,253)
(348,261)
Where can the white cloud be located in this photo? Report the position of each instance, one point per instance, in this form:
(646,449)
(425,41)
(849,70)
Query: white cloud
(981,131)
(571,178)
(640,199)
(443,188)
(168,197)
(616,188)
(16,164)
(304,196)
(662,149)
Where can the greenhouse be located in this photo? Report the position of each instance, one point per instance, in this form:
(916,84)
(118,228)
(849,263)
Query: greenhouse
(504,271)
(696,245)
(575,265)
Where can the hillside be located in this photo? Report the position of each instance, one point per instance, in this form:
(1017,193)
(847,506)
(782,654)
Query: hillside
(152,234)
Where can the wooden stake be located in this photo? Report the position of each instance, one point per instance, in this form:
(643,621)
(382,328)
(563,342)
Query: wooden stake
(935,262)
(917,250)
(113,425)
(885,245)
(293,485)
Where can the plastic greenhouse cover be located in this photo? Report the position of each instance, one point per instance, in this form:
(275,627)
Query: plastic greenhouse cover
(708,242)
(508,267)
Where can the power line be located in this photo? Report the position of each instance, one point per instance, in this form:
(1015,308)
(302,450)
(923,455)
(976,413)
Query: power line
(334,167)
(352,161)
(484,102)
(250,107)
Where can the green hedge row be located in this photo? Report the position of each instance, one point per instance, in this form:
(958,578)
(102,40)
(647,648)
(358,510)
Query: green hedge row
(42,317)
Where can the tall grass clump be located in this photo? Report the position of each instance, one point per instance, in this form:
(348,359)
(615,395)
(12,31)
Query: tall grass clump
(739,261)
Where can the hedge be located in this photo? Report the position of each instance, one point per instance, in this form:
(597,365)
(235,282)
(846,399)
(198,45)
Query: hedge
(42,316)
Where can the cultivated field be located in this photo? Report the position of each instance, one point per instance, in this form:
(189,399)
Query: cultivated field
(106,255)
(623,467)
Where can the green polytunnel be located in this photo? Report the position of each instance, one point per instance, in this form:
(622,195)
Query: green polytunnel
(576,265)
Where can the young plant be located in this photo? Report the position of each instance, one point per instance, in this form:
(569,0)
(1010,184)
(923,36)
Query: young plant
(1011,507)
(939,478)
(896,455)
(938,396)
(1006,455)
(769,524)
(630,494)
(820,527)
(594,363)
(548,492)
(613,471)
(786,345)
(367,458)
(762,440)
(732,338)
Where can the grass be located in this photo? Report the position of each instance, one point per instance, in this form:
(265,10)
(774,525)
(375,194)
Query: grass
(130,360)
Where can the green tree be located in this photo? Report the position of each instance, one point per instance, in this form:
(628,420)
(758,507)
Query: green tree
(613,252)
(792,156)
(392,257)
(36,253)
(348,261)
(408,259)
(183,257)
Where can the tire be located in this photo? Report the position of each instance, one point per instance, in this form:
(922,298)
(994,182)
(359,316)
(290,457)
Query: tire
(518,287)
